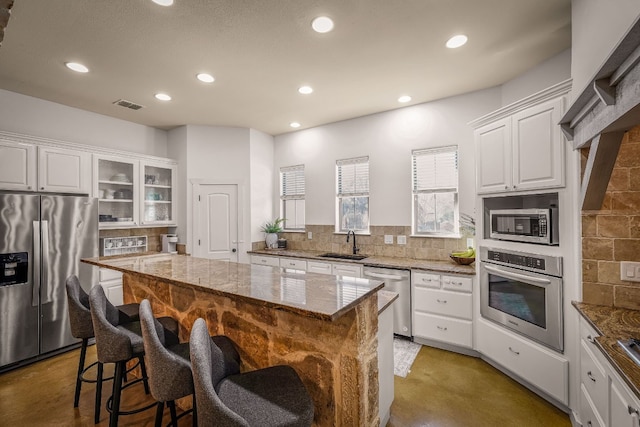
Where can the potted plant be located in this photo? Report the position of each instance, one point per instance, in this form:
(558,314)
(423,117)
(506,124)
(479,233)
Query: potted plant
(271,230)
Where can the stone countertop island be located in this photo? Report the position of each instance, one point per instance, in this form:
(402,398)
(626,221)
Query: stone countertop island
(325,327)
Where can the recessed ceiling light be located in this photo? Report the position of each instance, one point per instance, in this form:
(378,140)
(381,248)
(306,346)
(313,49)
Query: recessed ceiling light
(322,24)
(305,90)
(404,98)
(206,78)
(163,2)
(294,124)
(163,97)
(76,67)
(457,41)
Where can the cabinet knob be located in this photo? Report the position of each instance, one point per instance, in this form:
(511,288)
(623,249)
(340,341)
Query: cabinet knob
(442,328)
(506,187)
(517,353)
(42,188)
(29,187)
(590,375)
(441,301)
(590,339)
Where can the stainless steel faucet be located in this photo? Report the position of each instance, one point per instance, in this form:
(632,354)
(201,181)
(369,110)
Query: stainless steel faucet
(355,248)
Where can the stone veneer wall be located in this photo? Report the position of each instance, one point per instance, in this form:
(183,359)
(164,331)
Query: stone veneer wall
(326,240)
(154,241)
(337,361)
(612,234)
(5,14)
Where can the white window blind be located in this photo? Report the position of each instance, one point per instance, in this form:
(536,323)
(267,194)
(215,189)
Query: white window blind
(435,170)
(353,177)
(292,182)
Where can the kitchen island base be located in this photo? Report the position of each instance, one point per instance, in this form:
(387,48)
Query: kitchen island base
(336,359)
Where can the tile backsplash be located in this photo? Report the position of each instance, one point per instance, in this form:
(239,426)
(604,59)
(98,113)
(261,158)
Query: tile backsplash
(154,241)
(612,234)
(326,240)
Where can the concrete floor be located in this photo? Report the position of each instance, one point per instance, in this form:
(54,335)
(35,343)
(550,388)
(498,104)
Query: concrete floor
(446,389)
(443,389)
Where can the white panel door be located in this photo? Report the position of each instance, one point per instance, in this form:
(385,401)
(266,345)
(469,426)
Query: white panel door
(217,232)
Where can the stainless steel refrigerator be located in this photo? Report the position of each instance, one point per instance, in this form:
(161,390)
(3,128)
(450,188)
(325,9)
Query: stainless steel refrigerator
(42,239)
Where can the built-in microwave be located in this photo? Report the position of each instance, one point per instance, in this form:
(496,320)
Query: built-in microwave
(525,225)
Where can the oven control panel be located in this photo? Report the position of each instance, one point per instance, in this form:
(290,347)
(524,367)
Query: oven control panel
(514,259)
(539,263)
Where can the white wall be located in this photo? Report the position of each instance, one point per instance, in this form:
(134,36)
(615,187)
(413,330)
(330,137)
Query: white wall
(261,150)
(597,26)
(387,138)
(554,70)
(32,116)
(177,149)
(214,155)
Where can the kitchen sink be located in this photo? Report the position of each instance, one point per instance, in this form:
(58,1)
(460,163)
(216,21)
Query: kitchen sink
(343,256)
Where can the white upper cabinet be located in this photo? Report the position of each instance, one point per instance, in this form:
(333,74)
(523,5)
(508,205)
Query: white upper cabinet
(17,166)
(158,183)
(64,170)
(114,184)
(521,147)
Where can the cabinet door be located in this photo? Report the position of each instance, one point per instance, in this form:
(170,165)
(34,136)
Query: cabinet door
(493,157)
(116,187)
(265,260)
(318,267)
(538,147)
(157,198)
(17,166)
(293,263)
(63,170)
(624,409)
(351,270)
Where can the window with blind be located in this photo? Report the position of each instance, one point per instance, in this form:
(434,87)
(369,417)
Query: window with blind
(352,182)
(435,191)
(292,197)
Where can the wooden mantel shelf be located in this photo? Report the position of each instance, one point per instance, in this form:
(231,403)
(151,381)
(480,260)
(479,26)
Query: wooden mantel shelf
(607,108)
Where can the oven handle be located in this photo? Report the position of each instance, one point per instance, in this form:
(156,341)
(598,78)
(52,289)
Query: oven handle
(517,276)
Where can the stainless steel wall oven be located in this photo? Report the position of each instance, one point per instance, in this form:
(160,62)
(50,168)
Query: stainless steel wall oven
(523,292)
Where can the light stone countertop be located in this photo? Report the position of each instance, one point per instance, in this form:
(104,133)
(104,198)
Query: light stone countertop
(320,296)
(375,261)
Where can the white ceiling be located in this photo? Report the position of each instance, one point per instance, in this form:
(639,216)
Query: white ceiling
(261,51)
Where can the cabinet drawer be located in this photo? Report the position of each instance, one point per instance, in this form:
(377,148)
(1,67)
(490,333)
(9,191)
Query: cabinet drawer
(351,270)
(594,380)
(318,267)
(537,365)
(108,274)
(298,264)
(456,283)
(265,260)
(588,414)
(453,331)
(588,334)
(425,279)
(442,302)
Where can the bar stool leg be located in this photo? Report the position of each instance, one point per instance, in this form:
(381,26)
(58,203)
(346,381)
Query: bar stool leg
(83,355)
(96,416)
(145,377)
(174,417)
(194,415)
(117,390)
(159,411)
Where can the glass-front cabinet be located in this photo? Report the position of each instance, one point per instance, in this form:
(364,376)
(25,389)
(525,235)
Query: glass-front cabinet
(116,191)
(157,198)
(133,192)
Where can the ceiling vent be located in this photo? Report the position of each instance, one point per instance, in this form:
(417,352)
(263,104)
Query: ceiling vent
(128,104)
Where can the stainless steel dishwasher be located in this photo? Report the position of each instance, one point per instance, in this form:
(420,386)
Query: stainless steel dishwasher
(398,281)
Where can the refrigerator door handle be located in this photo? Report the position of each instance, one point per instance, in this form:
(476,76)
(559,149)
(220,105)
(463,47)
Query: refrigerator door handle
(45,294)
(35,270)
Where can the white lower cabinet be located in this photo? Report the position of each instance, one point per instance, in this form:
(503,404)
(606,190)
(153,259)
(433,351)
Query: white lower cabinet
(538,366)
(351,270)
(442,308)
(111,282)
(265,260)
(293,263)
(319,267)
(604,399)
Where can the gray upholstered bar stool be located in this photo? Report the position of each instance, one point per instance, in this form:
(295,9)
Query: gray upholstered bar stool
(82,328)
(273,396)
(169,368)
(118,343)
